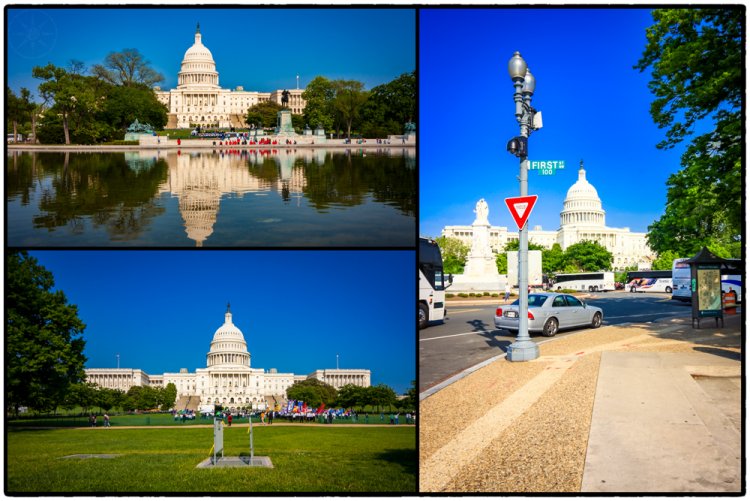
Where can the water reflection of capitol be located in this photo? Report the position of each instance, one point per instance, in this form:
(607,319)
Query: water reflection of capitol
(200,179)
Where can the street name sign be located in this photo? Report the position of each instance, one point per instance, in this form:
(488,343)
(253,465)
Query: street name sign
(520,208)
(546,167)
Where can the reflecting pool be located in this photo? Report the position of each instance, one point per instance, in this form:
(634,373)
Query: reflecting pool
(229,198)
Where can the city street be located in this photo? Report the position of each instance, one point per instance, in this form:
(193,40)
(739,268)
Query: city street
(468,336)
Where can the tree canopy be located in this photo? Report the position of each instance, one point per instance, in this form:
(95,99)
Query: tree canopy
(44,347)
(127,68)
(312,391)
(454,253)
(696,61)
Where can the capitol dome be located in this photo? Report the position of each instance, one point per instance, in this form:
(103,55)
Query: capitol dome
(582,205)
(198,69)
(228,347)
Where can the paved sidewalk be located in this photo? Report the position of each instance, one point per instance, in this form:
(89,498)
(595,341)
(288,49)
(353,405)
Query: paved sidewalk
(636,408)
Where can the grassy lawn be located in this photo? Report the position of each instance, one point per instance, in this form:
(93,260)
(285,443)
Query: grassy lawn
(305,459)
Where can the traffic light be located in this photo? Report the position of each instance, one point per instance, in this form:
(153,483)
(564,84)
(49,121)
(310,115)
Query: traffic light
(518,146)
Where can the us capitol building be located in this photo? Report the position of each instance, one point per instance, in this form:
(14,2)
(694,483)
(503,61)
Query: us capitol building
(582,218)
(228,378)
(198,99)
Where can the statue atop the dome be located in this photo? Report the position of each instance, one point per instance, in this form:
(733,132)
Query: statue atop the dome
(198,28)
(228,307)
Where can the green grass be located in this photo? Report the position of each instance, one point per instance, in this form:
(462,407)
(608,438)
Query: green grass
(306,459)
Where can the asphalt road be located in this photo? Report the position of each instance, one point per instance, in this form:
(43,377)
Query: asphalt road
(468,337)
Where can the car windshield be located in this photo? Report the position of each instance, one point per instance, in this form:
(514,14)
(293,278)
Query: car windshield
(534,300)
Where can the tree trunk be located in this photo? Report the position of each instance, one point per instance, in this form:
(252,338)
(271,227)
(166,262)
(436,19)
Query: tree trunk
(65,128)
(15,131)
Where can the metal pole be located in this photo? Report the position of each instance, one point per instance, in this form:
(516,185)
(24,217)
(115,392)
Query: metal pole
(523,348)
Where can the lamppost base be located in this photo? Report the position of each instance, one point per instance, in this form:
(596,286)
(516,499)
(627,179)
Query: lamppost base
(522,351)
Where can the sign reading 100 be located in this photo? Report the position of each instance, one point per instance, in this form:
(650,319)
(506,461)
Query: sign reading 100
(546,167)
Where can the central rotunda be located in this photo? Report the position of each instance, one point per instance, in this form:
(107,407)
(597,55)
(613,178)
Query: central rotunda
(198,99)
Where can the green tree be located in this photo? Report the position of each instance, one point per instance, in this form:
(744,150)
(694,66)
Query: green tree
(82,394)
(169,396)
(622,276)
(453,252)
(77,100)
(587,256)
(318,96)
(664,261)
(350,96)
(382,396)
(127,68)
(553,259)
(313,392)
(410,402)
(695,57)
(389,107)
(351,395)
(264,114)
(44,350)
(124,104)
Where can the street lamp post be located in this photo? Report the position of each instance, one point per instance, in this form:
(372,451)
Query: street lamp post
(523,348)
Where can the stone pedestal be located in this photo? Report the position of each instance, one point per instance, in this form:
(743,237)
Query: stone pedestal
(480,273)
(284,124)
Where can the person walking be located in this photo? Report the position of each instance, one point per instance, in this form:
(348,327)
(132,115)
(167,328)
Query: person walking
(507,291)
(106,420)
(229,419)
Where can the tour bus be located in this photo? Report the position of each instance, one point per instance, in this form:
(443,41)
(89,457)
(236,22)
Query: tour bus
(593,282)
(432,283)
(731,279)
(649,281)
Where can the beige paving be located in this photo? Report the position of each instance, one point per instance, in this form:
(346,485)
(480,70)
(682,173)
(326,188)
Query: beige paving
(524,427)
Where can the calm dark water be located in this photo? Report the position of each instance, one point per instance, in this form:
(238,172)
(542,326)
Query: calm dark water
(248,198)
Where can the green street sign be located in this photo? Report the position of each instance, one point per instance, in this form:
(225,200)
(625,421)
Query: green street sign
(546,167)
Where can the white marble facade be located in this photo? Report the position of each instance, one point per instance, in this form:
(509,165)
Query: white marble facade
(228,378)
(582,218)
(199,100)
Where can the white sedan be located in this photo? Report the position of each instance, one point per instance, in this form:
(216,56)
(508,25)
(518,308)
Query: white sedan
(550,312)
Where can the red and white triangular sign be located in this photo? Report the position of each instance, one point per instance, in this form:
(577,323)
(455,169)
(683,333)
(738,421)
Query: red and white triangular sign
(520,208)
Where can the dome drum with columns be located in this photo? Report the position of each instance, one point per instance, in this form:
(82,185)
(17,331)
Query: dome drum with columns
(582,218)
(199,100)
(228,378)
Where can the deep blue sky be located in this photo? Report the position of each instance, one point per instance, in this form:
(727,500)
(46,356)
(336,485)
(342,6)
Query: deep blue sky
(297,309)
(260,49)
(594,104)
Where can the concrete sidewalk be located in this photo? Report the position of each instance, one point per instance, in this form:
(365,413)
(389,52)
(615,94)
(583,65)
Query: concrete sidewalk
(638,408)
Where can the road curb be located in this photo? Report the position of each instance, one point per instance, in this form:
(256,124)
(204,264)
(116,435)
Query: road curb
(470,370)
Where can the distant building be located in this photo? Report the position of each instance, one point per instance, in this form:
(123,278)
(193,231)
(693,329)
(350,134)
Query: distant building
(582,218)
(228,378)
(199,100)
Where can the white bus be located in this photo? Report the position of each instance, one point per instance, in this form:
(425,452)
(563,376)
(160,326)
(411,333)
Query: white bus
(593,282)
(731,279)
(681,279)
(432,283)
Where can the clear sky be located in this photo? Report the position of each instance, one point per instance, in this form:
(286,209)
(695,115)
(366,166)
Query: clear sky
(297,309)
(262,49)
(595,108)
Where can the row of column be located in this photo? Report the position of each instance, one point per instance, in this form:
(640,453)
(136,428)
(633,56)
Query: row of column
(199,78)
(199,99)
(583,217)
(114,381)
(230,380)
(228,358)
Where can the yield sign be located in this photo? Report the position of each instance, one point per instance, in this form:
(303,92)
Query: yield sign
(520,208)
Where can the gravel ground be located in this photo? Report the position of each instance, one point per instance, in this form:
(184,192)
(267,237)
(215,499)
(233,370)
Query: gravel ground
(544,450)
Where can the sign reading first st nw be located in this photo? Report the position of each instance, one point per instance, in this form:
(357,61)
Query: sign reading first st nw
(520,208)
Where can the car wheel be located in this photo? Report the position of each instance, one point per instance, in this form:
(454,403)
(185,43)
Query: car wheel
(422,316)
(591,289)
(550,327)
(596,322)
(668,290)
(632,289)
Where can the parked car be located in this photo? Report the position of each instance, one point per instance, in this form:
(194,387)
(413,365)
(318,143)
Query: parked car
(549,313)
